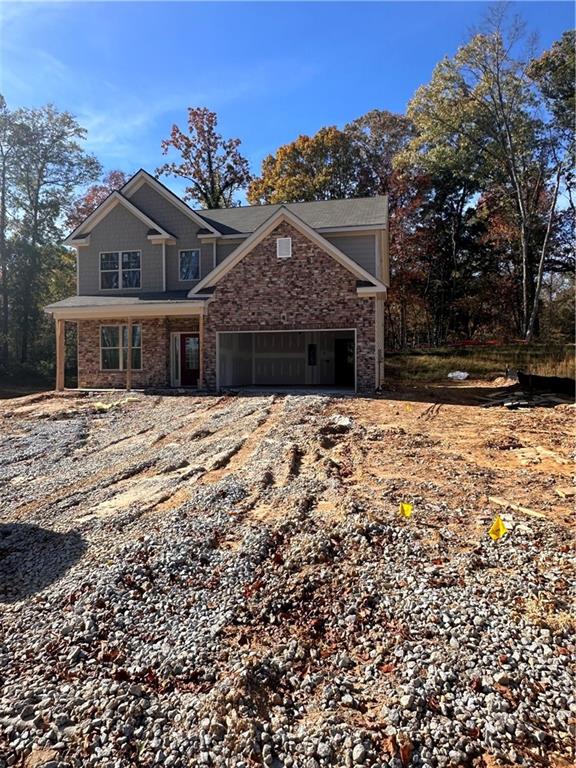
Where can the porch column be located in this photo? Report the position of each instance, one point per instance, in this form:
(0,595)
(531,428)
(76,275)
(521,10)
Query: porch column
(129,355)
(60,354)
(201,351)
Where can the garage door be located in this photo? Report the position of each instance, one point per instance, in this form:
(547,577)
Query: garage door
(287,359)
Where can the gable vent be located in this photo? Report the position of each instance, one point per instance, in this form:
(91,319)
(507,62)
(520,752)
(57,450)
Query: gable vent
(283,247)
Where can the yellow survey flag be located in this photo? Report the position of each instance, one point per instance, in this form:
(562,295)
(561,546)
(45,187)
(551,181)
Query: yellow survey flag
(406,509)
(497,529)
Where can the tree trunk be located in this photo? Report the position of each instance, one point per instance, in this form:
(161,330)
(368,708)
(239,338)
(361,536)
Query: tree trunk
(3,273)
(536,300)
(403,333)
(33,271)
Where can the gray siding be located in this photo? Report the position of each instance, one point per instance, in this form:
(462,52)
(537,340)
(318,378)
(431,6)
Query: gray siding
(225,248)
(182,227)
(360,248)
(119,231)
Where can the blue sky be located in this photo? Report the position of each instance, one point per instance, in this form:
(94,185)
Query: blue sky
(270,70)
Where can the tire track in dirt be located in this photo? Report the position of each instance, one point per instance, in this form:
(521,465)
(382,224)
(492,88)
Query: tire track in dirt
(76,488)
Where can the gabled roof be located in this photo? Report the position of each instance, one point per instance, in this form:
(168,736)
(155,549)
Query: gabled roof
(143,177)
(115,198)
(321,214)
(283,213)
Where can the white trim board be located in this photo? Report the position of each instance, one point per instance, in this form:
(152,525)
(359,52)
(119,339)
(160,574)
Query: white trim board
(125,311)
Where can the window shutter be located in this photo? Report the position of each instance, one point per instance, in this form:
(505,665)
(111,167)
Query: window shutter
(283,247)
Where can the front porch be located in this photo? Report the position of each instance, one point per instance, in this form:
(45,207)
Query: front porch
(133,347)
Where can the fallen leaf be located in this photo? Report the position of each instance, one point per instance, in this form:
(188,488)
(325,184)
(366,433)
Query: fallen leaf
(406,753)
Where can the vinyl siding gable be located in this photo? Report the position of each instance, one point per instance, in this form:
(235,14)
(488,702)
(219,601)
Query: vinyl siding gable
(182,227)
(360,248)
(120,230)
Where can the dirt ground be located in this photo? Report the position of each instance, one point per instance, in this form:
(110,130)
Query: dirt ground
(96,474)
(436,443)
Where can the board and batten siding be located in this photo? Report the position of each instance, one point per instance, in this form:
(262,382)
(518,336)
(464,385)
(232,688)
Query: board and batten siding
(182,227)
(120,230)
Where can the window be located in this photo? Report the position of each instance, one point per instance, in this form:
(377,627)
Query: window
(114,347)
(190,265)
(120,269)
(283,247)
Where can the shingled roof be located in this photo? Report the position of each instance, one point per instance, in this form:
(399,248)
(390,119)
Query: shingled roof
(321,214)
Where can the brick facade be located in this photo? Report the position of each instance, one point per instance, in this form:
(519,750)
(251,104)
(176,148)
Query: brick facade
(155,352)
(307,291)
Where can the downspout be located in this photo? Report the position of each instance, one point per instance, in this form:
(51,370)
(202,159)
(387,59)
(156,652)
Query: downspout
(164,266)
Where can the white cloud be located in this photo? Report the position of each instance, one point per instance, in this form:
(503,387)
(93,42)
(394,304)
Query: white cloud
(124,124)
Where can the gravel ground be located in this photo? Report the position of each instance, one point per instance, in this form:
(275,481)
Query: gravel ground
(214,581)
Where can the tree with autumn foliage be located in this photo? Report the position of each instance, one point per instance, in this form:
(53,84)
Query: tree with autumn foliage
(87,203)
(482,113)
(319,167)
(334,163)
(211,164)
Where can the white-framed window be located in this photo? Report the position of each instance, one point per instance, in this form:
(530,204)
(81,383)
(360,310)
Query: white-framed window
(283,247)
(189,265)
(120,269)
(114,347)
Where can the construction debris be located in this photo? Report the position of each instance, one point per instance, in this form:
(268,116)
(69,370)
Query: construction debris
(566,493)
(520,399)
(516,507)
(531,382)
(406,509)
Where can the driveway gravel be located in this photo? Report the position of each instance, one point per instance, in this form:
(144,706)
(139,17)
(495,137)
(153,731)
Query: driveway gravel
(226,581)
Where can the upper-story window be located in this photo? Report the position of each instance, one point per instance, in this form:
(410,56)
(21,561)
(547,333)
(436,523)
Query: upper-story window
(120,269)
(189,265)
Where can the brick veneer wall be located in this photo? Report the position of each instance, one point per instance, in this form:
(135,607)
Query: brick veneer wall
(309,290)
(155,352)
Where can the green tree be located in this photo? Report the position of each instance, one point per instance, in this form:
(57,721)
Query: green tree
(377,137)
(45,164)
(482,106)
(10,147)
(211,164)
(553,72)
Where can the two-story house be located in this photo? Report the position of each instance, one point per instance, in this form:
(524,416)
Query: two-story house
(257,296)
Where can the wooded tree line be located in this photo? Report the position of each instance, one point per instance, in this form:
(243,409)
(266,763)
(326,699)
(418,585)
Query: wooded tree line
(479,174)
